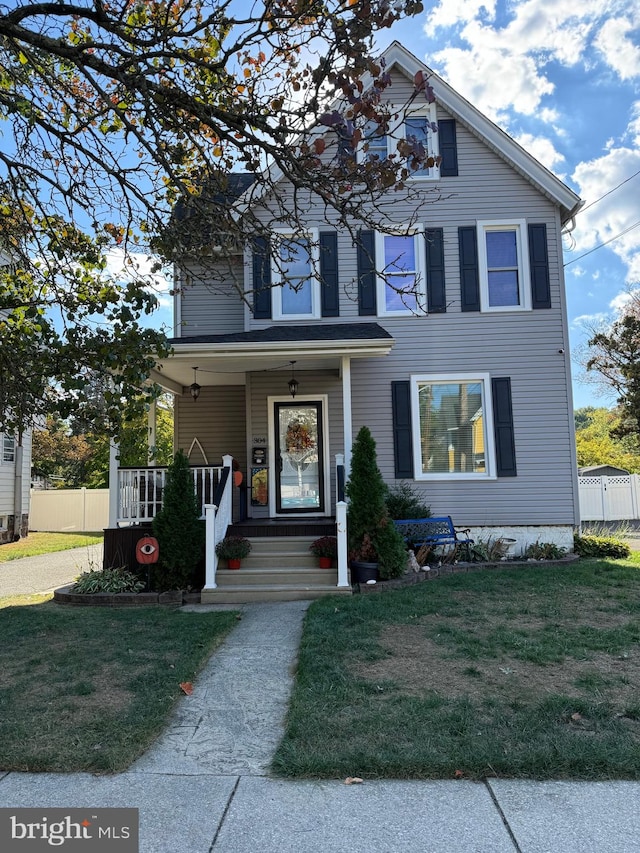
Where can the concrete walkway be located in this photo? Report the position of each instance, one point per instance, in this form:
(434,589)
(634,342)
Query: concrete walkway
(204,787)
(48,571)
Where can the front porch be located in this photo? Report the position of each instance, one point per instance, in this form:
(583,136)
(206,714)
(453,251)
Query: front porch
(280,566)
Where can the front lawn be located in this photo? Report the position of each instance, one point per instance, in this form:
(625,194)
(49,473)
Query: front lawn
(46,543)
(523,672)
(89,689)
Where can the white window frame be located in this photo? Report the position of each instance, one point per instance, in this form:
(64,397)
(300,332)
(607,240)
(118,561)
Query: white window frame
(398,130)
(7,456)
(417,232)
(312,235)
(487,411)
(519,226)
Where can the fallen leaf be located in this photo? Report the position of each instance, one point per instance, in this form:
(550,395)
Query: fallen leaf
(186,687)
(459,774)
(576,717)
(353,780)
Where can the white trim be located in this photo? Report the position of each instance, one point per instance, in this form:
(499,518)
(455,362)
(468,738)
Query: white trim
(487,410)
(326,467)
(417,232)
(519,226)
(312,236)
(7,449)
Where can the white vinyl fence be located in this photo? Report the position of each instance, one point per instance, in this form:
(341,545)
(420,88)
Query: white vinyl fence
(609,498)
(69,510)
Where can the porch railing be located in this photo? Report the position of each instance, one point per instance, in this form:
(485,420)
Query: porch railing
(141,491)
(218,516)
(341,522)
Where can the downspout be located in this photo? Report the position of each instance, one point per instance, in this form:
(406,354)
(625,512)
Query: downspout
(17,489)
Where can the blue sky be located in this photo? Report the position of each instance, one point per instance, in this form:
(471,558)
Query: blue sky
(563,79)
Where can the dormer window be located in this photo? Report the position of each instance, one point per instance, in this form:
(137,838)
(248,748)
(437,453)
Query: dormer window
(415,125)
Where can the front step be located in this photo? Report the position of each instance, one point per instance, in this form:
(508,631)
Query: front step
(277,569)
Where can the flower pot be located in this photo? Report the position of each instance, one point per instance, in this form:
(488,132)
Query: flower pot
(233,563)
(363,572)
(325,562)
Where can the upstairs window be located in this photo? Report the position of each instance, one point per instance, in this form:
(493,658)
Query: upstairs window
(415,126)
(503,266)
(400,258)
(296,288)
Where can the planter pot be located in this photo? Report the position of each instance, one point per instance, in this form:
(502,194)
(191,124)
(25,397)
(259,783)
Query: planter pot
(325,562)
(363,572)
(233,563)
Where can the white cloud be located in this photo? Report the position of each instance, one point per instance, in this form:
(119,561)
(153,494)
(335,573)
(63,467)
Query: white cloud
(587,321)
(543,150)
(135,267)
(450,12)
(618,49)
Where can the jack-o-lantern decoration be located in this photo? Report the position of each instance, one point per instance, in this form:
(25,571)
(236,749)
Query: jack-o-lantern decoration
(147,550)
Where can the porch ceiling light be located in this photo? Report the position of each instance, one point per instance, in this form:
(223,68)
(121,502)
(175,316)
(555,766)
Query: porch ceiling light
(194,388)
(293,382)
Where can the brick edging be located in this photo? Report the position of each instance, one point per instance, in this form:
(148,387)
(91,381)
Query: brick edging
(173,598)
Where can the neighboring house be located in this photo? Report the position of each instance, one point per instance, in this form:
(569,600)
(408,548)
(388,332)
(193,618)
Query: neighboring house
(465,386)
(15,473)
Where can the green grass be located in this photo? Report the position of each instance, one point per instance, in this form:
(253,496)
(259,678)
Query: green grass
(45,543)
(89,689)
(524,672)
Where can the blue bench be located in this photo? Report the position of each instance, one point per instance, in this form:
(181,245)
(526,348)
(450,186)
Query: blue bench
(417,532)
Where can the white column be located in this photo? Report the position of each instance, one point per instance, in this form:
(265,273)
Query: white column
(151,434)
(346,412)
(17,488)
(341,529)
(114,495)
(211,558)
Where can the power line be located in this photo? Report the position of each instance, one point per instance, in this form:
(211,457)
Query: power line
(606,242)
(621,184)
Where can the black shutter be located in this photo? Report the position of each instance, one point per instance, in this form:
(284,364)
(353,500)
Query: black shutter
(448,148)
(469,276)
(436,298)
(261,279)
(329,294)
(503,427)
(539,267)
(402,443)
(366,246)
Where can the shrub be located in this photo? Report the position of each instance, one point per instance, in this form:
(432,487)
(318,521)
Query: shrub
(544,551)
(600,546)
(404,501)
(107,580)
(178,528)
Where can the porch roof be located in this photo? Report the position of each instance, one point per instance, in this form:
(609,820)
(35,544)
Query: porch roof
(221,358)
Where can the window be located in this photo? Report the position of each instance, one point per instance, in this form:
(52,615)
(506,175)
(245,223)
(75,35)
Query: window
(417,127)
(504,266)
(296,286)
(400,258)
(8,448)
(452,422)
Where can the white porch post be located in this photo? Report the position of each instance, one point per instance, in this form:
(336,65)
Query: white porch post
(113,482)
(341,527)
(211,558)
(346,412)
(151,433)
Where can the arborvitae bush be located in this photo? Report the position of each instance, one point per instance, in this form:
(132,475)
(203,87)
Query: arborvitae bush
(178,529)
(404,501)
(367,515)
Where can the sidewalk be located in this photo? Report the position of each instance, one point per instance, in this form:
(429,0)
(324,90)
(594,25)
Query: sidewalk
(48,571)
(204,786)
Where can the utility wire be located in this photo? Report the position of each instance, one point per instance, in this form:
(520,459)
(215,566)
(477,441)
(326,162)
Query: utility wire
(606,243)
(621,184)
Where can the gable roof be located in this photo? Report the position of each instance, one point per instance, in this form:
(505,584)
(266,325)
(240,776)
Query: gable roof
(568,202)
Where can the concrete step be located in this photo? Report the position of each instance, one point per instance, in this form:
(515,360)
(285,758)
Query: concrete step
(281,544)
(263,576)
(277,592)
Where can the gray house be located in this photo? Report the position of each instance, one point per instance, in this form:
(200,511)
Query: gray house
(464,380)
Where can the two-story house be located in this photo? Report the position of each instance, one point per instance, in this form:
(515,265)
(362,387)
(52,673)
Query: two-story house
(457,358)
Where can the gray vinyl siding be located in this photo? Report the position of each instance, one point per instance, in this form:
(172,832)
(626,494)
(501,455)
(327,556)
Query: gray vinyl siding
(217,420)
(211,299)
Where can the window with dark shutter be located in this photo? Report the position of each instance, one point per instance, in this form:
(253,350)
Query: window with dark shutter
(366,257)
(469,273)
(539,266)
(447,146)
(436,295)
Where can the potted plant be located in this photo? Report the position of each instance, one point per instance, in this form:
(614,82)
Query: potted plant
(233,549)
(376,547)
(325,549)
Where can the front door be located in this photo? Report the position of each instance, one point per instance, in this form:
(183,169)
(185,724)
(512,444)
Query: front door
(299,457)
